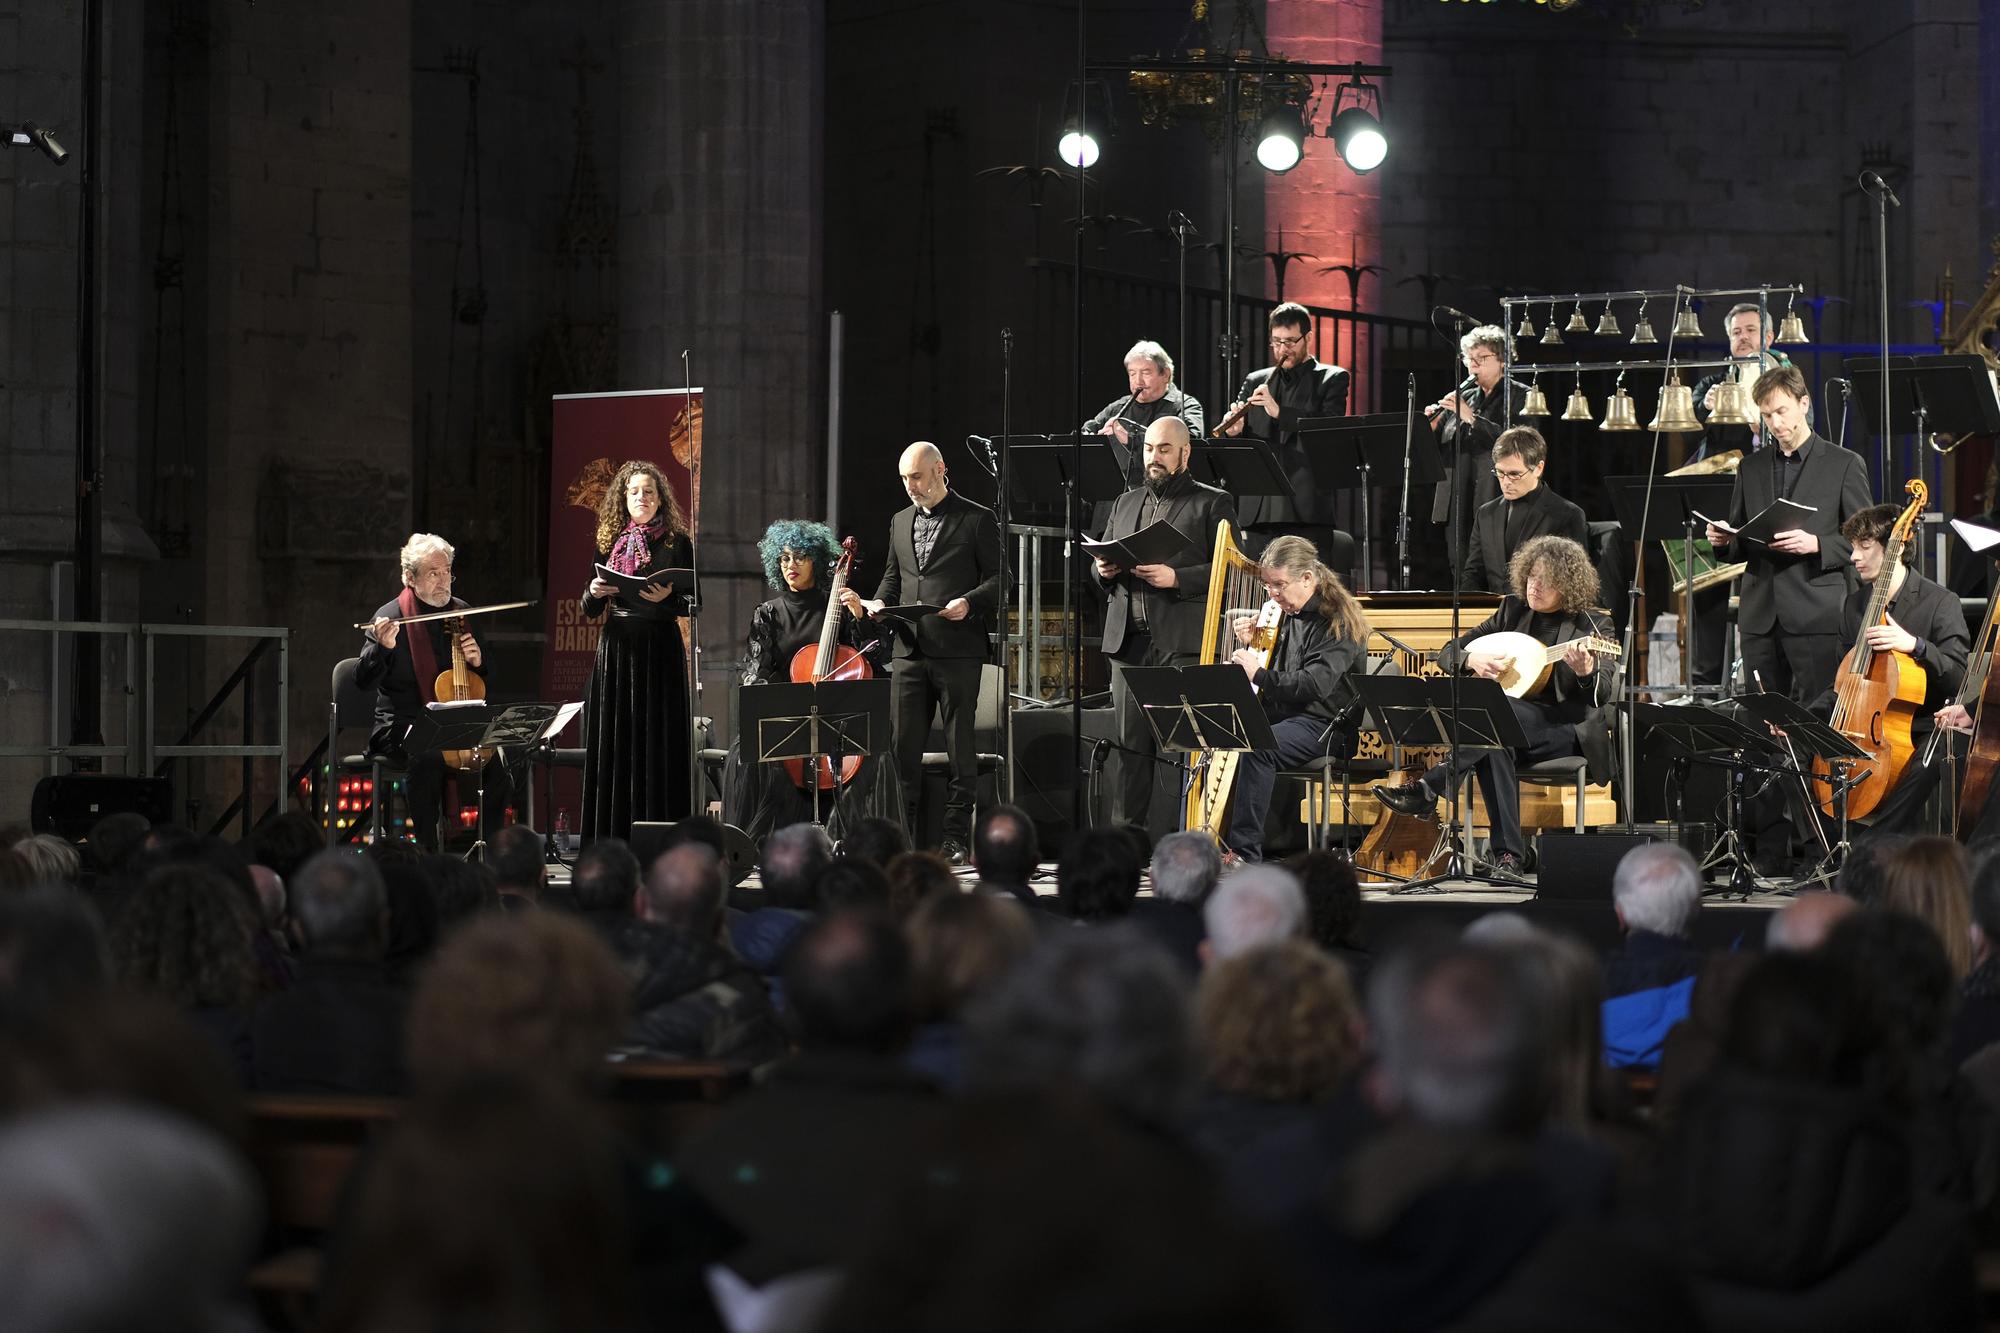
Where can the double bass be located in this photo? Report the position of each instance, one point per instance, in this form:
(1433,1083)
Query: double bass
(1981,693)
(829,659)
(1877,693)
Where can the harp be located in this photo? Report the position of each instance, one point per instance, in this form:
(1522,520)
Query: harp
(1235,589)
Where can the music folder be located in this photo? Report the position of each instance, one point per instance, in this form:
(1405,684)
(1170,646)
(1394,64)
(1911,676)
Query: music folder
(636,584)
(911,611)
(1779,516)
(1158,543)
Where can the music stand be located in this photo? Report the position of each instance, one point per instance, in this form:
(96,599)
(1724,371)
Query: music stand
(1197,708)
(1243,465)
(1039,466)
(832,719)
(1949,394)
(1346,452)
(1462,712)
(1708,735)
(1809,738)
(483,728)
(1675,515)
(545,745)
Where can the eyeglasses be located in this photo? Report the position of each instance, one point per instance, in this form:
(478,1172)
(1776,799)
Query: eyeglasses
(1510,474)
(1275,588)
(1276,341)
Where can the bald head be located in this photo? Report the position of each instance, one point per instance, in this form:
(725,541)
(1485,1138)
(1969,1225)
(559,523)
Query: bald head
(922,469)
(1167,450)
(1170,429)
(1803,924)
(684,890)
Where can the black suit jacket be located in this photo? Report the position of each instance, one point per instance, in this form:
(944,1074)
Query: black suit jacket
(965,562)
(1173,615)
(1579,700)
(1541,512)
(1932,614)
(1312,390)
(1800,594)
(1469,444)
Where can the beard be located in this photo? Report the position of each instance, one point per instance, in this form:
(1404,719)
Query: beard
(1158,479)
(443,600)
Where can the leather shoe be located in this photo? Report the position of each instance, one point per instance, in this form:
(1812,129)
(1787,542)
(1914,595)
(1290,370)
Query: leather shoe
(1509,866)
(955,853)
(1408,798)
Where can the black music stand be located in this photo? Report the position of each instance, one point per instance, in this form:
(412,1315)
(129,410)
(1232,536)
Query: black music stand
(1462,712)
(1196,708)
(833,719)
(1949,394)
(545,746)
(1039,466)
(1710,735)
(1243,465)
(1809,739)
(484,728)
(1678,503)
(1352,452)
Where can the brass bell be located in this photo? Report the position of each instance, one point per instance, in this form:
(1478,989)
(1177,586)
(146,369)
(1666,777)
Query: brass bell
(1791,329)
(1676,415)
(1577,323)
(1607,324)
(1579,406)
(1621,413)
(1551,336)
(1642,328)
(1686,324)
(1536,405)
(1732,404)
(1527,329)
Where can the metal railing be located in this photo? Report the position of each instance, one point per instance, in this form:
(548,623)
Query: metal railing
(140,753)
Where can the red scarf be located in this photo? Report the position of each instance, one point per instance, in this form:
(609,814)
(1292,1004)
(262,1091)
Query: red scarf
(422,660)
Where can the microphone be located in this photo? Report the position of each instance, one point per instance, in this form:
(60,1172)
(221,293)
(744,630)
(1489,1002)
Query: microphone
(1179,219)
(991,463)
(1456,313)
(1875,185)
(1845,384)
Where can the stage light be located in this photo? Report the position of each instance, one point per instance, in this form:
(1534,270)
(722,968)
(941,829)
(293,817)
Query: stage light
(1078,146)
(1086,120)
(1357,136)
(1281,140)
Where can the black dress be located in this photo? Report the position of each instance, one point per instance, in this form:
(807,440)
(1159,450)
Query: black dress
(760,798)
(635,715)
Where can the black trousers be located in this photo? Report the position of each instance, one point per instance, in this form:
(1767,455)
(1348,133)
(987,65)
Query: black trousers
(1799,666)
(1549,737)
(1132,793)
(1711,623)
(427,775)
(920,688)
(1300,740)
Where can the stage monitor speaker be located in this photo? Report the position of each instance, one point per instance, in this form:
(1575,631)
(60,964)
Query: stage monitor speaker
(69,803)
(1580,865)
(650,838)
(1045,772)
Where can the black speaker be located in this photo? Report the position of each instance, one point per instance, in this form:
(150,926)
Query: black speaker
(69,803)
(1046,776)
(1580,865)
(650,838)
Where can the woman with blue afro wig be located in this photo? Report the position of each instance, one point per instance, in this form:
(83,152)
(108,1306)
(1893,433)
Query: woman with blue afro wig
(799,556)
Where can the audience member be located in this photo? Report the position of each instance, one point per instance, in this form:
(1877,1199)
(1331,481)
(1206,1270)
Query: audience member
(1803,924)
(1256,906)
(114,840)
(1098,876)
(1184,871)
(852,885)
(285,842)
(1006,852)
(52,952)
(1102,1013)
(1930,879)
(339,1029)
(692,999)
(1649,980)
(1976,1025)
(121,1217)
(188,937)
(603,884)
(794,858)
(520,867)
(11,834)
(50,859)
(495,1202)
(1860,875)
(538,995)
(802,1164)
(16,874)
(463,889)
(915,878)
(413,919)
(875,840)
(1333,909)
(960,943)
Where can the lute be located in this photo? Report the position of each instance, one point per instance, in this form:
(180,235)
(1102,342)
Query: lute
(1529,660)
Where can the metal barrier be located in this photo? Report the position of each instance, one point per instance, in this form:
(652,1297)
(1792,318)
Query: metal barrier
(141,753)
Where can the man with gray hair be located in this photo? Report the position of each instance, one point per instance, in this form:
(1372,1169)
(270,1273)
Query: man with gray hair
(1185,869)
(1150,373)
(339,1027)
(1649,980)
(1258,905)
(692,998)
(1467,422)
(402,663)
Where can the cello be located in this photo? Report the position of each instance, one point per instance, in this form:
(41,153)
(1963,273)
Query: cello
(1983,750)
(829,659)
(1877,693)
(457,685)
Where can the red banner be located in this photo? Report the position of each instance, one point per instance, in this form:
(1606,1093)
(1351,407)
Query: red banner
(595,434)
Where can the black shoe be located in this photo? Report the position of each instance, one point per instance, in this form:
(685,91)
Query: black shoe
(1509,866)
(954,853)
(1408,798)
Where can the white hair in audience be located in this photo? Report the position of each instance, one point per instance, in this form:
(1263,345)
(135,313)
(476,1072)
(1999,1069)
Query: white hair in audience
(1499,928)
(1657,887)
(1458,1043)
(1186,867)
(1260,904)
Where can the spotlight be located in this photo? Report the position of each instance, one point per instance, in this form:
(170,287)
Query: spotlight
(1281,141)
(1078,147)
(1356,131)
(1086,118)
(30,135)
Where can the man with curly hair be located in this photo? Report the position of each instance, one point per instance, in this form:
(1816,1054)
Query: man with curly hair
(1554,585)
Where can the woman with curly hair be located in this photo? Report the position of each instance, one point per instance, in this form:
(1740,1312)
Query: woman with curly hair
(188,936)
(799,556)
(1554,585)
(635,716)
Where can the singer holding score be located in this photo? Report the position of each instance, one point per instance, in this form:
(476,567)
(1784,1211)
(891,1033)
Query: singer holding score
(1467,422)
(635,718)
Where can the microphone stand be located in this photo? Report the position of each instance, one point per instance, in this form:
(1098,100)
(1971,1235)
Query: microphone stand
(1403,522)
(1181,229)
(694,596)
(1006,510)
(1883,196)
